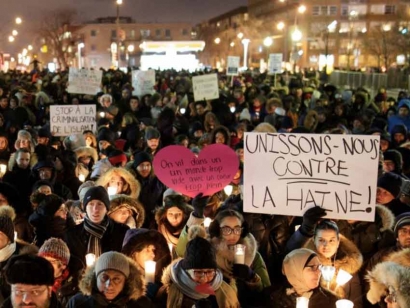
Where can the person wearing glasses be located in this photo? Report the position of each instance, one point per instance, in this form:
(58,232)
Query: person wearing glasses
(390,281)
(333,249)
(31,278)
(196,279)
(302,269)
(113,281)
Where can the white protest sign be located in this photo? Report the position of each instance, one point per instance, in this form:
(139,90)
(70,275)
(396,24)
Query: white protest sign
(232,68)
(72,119)
(275,63)
(286,174)
(84,81)
(205,87)
(143,82)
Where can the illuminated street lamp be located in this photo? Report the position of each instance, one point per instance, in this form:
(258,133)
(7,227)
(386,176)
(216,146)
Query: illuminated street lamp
(386,27)
(11,38)
(280,26)
(18,20)
(130,48)
(80,45)
(296,35)
(217,40)
(14,33)
(301,9)
(232,44)
(24,52)
(240,35)
(268,41)
(29,47)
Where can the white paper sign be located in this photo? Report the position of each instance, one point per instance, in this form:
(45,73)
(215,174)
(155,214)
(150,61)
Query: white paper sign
(72,119)
(286,174)
(205,87)
(143,82)
(275,63)
(84,81)
(233,66)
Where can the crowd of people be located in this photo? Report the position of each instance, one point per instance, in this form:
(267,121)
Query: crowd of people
(83,216)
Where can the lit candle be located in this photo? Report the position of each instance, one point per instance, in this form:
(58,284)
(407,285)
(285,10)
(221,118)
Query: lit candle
(81,177)
(182,110)
(3,168)
(207,222)
(15,235)
(170,246)
(239,254)
(150,271)
(112,190)
(228,190)
(328,272)
(343,277)
(302,302)
(90,259)
(344,303)
(102,114)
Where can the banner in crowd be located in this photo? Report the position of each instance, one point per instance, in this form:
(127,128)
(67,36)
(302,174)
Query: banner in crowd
(232,69)
(143,82)
(205,87)
(275,63)
(84,81)
(178,168)
(286,174)
(72,119)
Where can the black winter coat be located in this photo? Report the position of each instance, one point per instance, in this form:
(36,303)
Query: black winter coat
(98,301)
(77,239)
(320,298)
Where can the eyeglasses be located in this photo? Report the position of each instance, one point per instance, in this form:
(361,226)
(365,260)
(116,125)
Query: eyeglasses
(314,268)
(32,293)
(228,230)
(201,274)
(404,231)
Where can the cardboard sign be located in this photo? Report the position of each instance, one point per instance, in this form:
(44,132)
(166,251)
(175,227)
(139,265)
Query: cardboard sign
(143,82)
(178,168)
(232,68)
(275,63)
(205,87)
(286,174)
(84,81)
(72,119)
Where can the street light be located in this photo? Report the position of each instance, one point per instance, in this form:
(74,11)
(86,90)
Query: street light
(232,44)
(11,38)
(80,45)
(29,47)
(245,43)
(280,26)
(18,20)
(296,35)
(240,35)
(24,52)
(302,9)
(217,40)
(268,41)
(130,48)
(14,32)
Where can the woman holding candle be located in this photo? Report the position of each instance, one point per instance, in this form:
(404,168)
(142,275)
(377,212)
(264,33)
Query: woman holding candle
(196,278)
(114,281)
(337,251)
(122,180)
(144,245)
(302,270)
(126,210)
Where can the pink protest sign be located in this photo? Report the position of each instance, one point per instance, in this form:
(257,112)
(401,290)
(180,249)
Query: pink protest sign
(178,168)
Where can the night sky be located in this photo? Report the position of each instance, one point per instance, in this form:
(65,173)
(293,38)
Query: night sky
(192,11)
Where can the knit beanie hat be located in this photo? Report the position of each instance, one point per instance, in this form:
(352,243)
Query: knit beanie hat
(49,205)
(395,156)
(401,221)
(106,134)
(97,193)
(117,157)
(7,216)
(55,248)
(390,182)
(82,190)
(29,269)
(112,260)
(74,142)
(140,158)
(152,133)
(113,110)
(199,254)
(245,115)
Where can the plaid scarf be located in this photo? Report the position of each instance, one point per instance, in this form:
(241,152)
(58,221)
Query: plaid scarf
(96,232)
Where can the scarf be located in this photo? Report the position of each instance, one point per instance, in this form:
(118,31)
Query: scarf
(58,282)
(189,287)
(7,251)
(96,232)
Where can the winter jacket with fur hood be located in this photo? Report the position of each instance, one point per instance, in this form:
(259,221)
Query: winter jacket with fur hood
(131,296)
(131,187)
(138,213)
(393,274)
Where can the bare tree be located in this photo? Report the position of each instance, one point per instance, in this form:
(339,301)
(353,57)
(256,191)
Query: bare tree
(381,43)
(52,28)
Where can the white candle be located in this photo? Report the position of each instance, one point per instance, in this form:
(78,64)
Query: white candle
(102,114)
(207,222)
(81,177)
(112,190)
(343,277)
(239,254)
(150,271)
(344,303)
(228,190)
(90,259)
(170,246)
(15,235)
(3,168)
(302,302)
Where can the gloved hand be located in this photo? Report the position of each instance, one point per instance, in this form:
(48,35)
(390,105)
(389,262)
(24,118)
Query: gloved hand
(310,219)
(199,203)
(243,272)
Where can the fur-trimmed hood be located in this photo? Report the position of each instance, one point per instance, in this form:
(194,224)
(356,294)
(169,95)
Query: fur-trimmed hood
(166,274)
(161,212)
(123,200)
(134,187)
(387,218)
(134,286)
(389,275)
(86,151)
(401,257)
